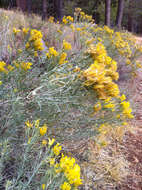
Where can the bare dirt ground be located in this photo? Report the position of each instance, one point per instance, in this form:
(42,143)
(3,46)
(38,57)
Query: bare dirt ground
(132,145)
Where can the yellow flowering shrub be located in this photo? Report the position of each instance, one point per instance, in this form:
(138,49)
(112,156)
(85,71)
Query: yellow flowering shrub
(78,100)
(101,73)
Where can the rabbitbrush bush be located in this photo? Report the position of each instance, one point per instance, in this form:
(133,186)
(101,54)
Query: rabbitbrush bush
(69,83)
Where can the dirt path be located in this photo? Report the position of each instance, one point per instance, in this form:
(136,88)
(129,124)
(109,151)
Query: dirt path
(133,140)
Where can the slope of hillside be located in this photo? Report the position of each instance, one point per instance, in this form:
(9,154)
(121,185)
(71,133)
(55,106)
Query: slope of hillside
(66,92)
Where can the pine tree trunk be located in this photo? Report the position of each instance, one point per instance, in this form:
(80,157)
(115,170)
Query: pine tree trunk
(11,4)
(107,12)
(140,25)
(21,4)
(130,16)
(29,6)
(59,9)
(44,9)
(119,13)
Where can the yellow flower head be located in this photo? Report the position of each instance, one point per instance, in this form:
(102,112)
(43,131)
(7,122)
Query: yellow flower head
(62,58)
(123,97)
(73,175)
(27,45)
(44,142)
(69,18)
(56,149)
(52,52)
(29,124)
(26,66)
(65,21)
(43,186)
(76,69)
(126,110)
(10,68)
(43,130)
(52,161)
(66,45)
(65,186)
(16,31)
(51,141)
(2,67)
(35,54)
(37,123)
(25,30)
(97,107)
(51,19)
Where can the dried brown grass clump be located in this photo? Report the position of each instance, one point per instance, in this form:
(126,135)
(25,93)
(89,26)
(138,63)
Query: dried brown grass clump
(107,167)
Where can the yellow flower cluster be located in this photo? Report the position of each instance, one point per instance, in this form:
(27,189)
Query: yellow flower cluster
(52,52)
(26,65)
(29,124)
(71,170)
(108,30)
(63,58)
(43,130)
(110,105)
(56,149)
(97,107)
(23,66)
(65,186)
(67,19)
(51,19)
(101,73)
(5,68)
(121,45)
(79,13)
(66,45)
(2,67)
(25,31)
(35,40)
(126,109)
(16,31)
(44,142)
(67,166)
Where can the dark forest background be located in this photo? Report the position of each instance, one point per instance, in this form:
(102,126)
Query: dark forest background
(125,14)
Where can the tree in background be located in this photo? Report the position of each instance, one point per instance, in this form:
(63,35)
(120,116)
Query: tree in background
(22,4)
(130,15)
(110,12)
(44,9)
(107,12)
(29,6)
(59,9)
(119,13)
